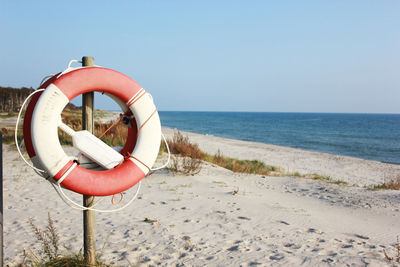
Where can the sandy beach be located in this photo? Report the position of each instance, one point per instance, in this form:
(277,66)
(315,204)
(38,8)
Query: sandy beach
(221,218)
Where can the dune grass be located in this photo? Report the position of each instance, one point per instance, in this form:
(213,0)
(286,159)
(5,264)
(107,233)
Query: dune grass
(391,184)
(181,145)
(325,178)
(242,166)
(49,253)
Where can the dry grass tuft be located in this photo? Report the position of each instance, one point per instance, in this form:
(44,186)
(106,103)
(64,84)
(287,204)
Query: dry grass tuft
(188,156)
(48,238)
(181,145)
(242,166)
(392,184)
(323,178)
(186,165)
(49,254)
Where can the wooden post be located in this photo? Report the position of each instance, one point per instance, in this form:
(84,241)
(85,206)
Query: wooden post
(89,240)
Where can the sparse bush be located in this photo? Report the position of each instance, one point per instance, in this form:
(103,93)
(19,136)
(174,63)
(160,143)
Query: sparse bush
(181,145)
(185,165)
(188,156)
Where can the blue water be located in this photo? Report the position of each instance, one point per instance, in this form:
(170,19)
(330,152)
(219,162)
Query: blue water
(367,136)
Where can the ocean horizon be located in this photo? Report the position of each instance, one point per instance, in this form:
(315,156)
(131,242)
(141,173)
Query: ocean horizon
(371,136)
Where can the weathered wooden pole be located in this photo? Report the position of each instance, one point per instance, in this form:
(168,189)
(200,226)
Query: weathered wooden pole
(89,240)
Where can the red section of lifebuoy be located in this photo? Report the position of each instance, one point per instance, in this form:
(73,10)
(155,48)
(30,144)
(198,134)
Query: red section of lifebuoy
(101,183)
(91,79)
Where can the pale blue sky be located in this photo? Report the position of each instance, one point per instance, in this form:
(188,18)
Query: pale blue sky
(289,56)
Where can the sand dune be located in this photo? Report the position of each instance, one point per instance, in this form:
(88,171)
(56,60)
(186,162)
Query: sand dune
(197,220)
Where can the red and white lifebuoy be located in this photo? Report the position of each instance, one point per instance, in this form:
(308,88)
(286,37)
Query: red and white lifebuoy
(46,146)
(130,140)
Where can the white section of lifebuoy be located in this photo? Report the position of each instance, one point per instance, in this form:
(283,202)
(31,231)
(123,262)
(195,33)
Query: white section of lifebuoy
(145,112)
(44,127)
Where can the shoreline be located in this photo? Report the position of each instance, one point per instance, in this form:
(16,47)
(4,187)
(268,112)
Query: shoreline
(354,171)
(270,144)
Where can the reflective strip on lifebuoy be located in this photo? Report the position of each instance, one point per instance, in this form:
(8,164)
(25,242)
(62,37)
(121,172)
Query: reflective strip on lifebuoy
(52,157)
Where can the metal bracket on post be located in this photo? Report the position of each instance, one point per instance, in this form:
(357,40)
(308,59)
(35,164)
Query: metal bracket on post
(89,240)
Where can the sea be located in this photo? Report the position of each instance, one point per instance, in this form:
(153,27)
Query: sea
(367,136)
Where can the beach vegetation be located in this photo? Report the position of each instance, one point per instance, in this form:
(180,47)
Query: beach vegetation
(325,178)
(49,254)
(190,158)
(187,157)
(242,166)
(297,174)
(185,165)
(391,184)
(181,145)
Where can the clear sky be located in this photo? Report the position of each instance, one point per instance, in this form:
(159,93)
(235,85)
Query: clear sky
(286,56)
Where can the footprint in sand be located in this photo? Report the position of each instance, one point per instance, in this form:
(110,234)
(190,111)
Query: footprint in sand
(347,246)
(233,248)
(361,236)
(292,246)
(276,257)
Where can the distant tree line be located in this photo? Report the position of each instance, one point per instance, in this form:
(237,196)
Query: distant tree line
(11,99)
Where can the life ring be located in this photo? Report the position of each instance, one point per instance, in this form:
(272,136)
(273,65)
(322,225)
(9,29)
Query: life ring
(58,165)
(127,148)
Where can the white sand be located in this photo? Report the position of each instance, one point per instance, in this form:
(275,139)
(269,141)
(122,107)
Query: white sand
(271,221)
